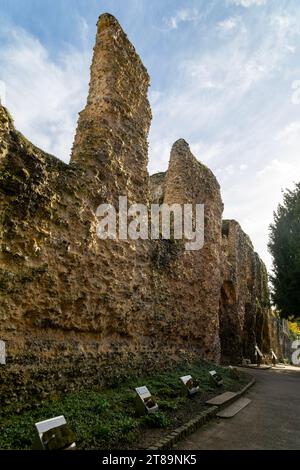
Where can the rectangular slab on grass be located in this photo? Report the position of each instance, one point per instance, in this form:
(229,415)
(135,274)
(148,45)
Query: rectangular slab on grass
(221,399)
(234,408)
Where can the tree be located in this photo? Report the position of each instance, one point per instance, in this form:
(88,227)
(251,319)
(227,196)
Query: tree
(284,246)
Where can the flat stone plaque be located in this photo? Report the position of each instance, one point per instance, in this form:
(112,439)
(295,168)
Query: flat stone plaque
(185,378)
(234,408)
(143,392)
(2,352)
(221,399)
(145,401)
(43,426)
(190,384)
(57,432)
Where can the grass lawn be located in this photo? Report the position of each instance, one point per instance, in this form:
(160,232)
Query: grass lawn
(105,418)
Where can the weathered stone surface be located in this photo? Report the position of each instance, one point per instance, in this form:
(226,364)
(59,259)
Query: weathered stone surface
(244,302)
(281,340)
(231,410)
(157,187)
(78,311)
(111,139)
(195,277)
(221,399)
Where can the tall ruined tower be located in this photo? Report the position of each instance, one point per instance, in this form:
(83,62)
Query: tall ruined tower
(111,138)
(195,277)
(190,181)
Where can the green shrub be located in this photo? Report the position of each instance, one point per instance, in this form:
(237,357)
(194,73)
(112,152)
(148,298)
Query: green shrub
(156,420)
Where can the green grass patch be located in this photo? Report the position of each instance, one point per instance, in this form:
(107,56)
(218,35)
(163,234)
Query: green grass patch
(106,418)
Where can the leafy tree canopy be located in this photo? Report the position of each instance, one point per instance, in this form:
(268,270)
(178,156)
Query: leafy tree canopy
(284,245)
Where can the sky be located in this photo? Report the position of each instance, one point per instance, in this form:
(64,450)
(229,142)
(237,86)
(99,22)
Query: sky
(225,76)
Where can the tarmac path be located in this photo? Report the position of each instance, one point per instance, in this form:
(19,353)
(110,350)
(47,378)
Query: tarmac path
(271,421)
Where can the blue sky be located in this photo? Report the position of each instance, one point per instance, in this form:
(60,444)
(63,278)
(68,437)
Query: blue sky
(225,75)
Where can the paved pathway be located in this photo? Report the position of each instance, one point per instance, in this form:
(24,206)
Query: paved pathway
(271,421)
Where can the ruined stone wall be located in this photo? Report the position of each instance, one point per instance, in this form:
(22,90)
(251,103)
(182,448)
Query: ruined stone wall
(59,280)
(277,336)
(78,310)
(111,143)
(70,301)
(285,339)
(245,314)
(193,278)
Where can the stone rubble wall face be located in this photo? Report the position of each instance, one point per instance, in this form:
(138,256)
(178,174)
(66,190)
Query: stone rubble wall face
(69,298)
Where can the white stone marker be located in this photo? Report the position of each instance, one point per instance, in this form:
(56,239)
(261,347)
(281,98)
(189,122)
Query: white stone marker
(145,401)
(190,385)
(47,425)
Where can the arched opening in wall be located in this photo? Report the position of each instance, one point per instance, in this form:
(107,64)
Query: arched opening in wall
(228,323)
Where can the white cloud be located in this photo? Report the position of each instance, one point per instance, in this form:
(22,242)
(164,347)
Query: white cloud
(228,25)
(243,167)
(225,99)
(154,96)
(43,96)
(290,135)
(226,171)
(279,169)
(253,200)
(206,151)
(236,67)
(160,152)
(229,102)
(182,16)
(248,3)
(295,98)
(2,93)
(283,22)
(83,29)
